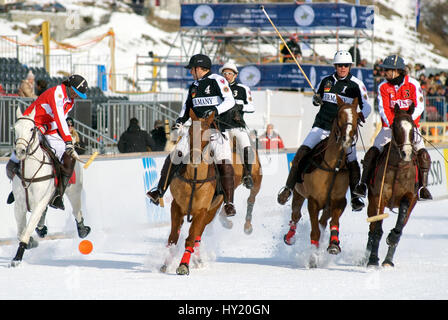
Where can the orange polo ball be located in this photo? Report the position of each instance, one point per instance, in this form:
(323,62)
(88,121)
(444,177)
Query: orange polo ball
(85,247)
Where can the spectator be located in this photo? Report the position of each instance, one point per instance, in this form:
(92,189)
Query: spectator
(135,139)
(294,46)
(2,91)
(27,86)
(270,139)
(356,55)
(41,86)
(77,142)
(158,134)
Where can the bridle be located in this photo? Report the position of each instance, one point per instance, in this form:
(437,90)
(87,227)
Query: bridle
(28,143)
(393,141)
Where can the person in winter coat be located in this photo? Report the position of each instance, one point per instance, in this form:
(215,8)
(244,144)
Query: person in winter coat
(135,139)
(26,88)
(158,134)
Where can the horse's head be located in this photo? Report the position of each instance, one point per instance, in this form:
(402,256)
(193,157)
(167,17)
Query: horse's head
(403,131)
(26,134)
(347,122)
(199,133)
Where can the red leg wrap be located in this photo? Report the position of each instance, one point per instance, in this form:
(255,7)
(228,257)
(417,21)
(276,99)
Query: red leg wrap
(187,255)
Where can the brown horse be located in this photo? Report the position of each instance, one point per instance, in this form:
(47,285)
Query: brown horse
(193,191)
(257,178)
(396,189)
(326,186)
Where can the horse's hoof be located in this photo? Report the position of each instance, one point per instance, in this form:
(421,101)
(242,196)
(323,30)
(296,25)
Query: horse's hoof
(373,262)
(42,232)
(15,263)
(289,240)
(163,268)
(32,244)
(334,248)
(83,232)
(226,223)
(183,270)
(388,263)
(248,228)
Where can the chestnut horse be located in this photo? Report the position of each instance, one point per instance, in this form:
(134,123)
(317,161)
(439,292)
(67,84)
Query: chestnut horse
(326,186)
(193,190)
(397,189)
(257,177)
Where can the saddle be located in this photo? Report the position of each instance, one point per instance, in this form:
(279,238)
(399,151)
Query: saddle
(57,165)
(312,160)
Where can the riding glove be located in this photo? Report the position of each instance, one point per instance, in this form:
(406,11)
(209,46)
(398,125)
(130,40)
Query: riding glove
(317,100)
(70,149)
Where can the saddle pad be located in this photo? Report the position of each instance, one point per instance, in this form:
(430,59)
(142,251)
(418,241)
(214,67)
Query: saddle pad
(71,181)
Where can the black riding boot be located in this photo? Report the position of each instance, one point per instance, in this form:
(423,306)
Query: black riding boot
(227,182)
(424,164)
(354,174)
(247,168)
(166,175)
(12,168)
(68,165)
(285,192)
(368,165)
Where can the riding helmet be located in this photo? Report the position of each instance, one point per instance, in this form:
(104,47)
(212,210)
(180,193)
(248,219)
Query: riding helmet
(199,60)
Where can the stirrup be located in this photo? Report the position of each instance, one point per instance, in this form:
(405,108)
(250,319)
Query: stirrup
(425,195)
(57,204)
(154,198)
(248,182)
(229,209)
(357,204)
(360,190)
(10,198)
(282,196)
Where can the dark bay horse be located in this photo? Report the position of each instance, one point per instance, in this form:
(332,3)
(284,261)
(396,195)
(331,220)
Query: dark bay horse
(193,191)
(257,177)
(326,186)
(394,186)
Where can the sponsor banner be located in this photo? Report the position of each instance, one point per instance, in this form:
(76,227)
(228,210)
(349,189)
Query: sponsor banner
(272,76)
(292,15)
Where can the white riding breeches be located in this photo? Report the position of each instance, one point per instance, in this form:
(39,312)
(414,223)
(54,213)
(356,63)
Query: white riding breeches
(242,137)
(56,144)
(218,149)
(385,135)
(316,135)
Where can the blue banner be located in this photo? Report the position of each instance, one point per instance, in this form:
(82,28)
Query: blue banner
(310,15)
(272,76)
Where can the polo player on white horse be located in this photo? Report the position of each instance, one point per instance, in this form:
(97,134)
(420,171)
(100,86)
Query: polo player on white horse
(51,109)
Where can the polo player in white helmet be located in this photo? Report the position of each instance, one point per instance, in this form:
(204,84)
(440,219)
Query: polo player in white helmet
(234,122)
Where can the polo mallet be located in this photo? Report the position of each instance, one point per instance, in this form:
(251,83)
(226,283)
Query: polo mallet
(88,162)
(378,216)
(290,52)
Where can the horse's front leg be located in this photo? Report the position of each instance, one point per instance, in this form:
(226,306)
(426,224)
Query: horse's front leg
(336,212)
(25,239)
(393,238)
(296,215)
(251,202)
(197,225)
(177,220)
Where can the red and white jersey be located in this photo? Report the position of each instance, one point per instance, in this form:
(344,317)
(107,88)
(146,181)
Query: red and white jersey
(52,107)
(404,95)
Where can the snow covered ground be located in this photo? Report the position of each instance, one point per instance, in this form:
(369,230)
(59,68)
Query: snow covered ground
(124,263)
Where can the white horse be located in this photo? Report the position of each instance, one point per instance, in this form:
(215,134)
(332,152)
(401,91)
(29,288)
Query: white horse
(36,186)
